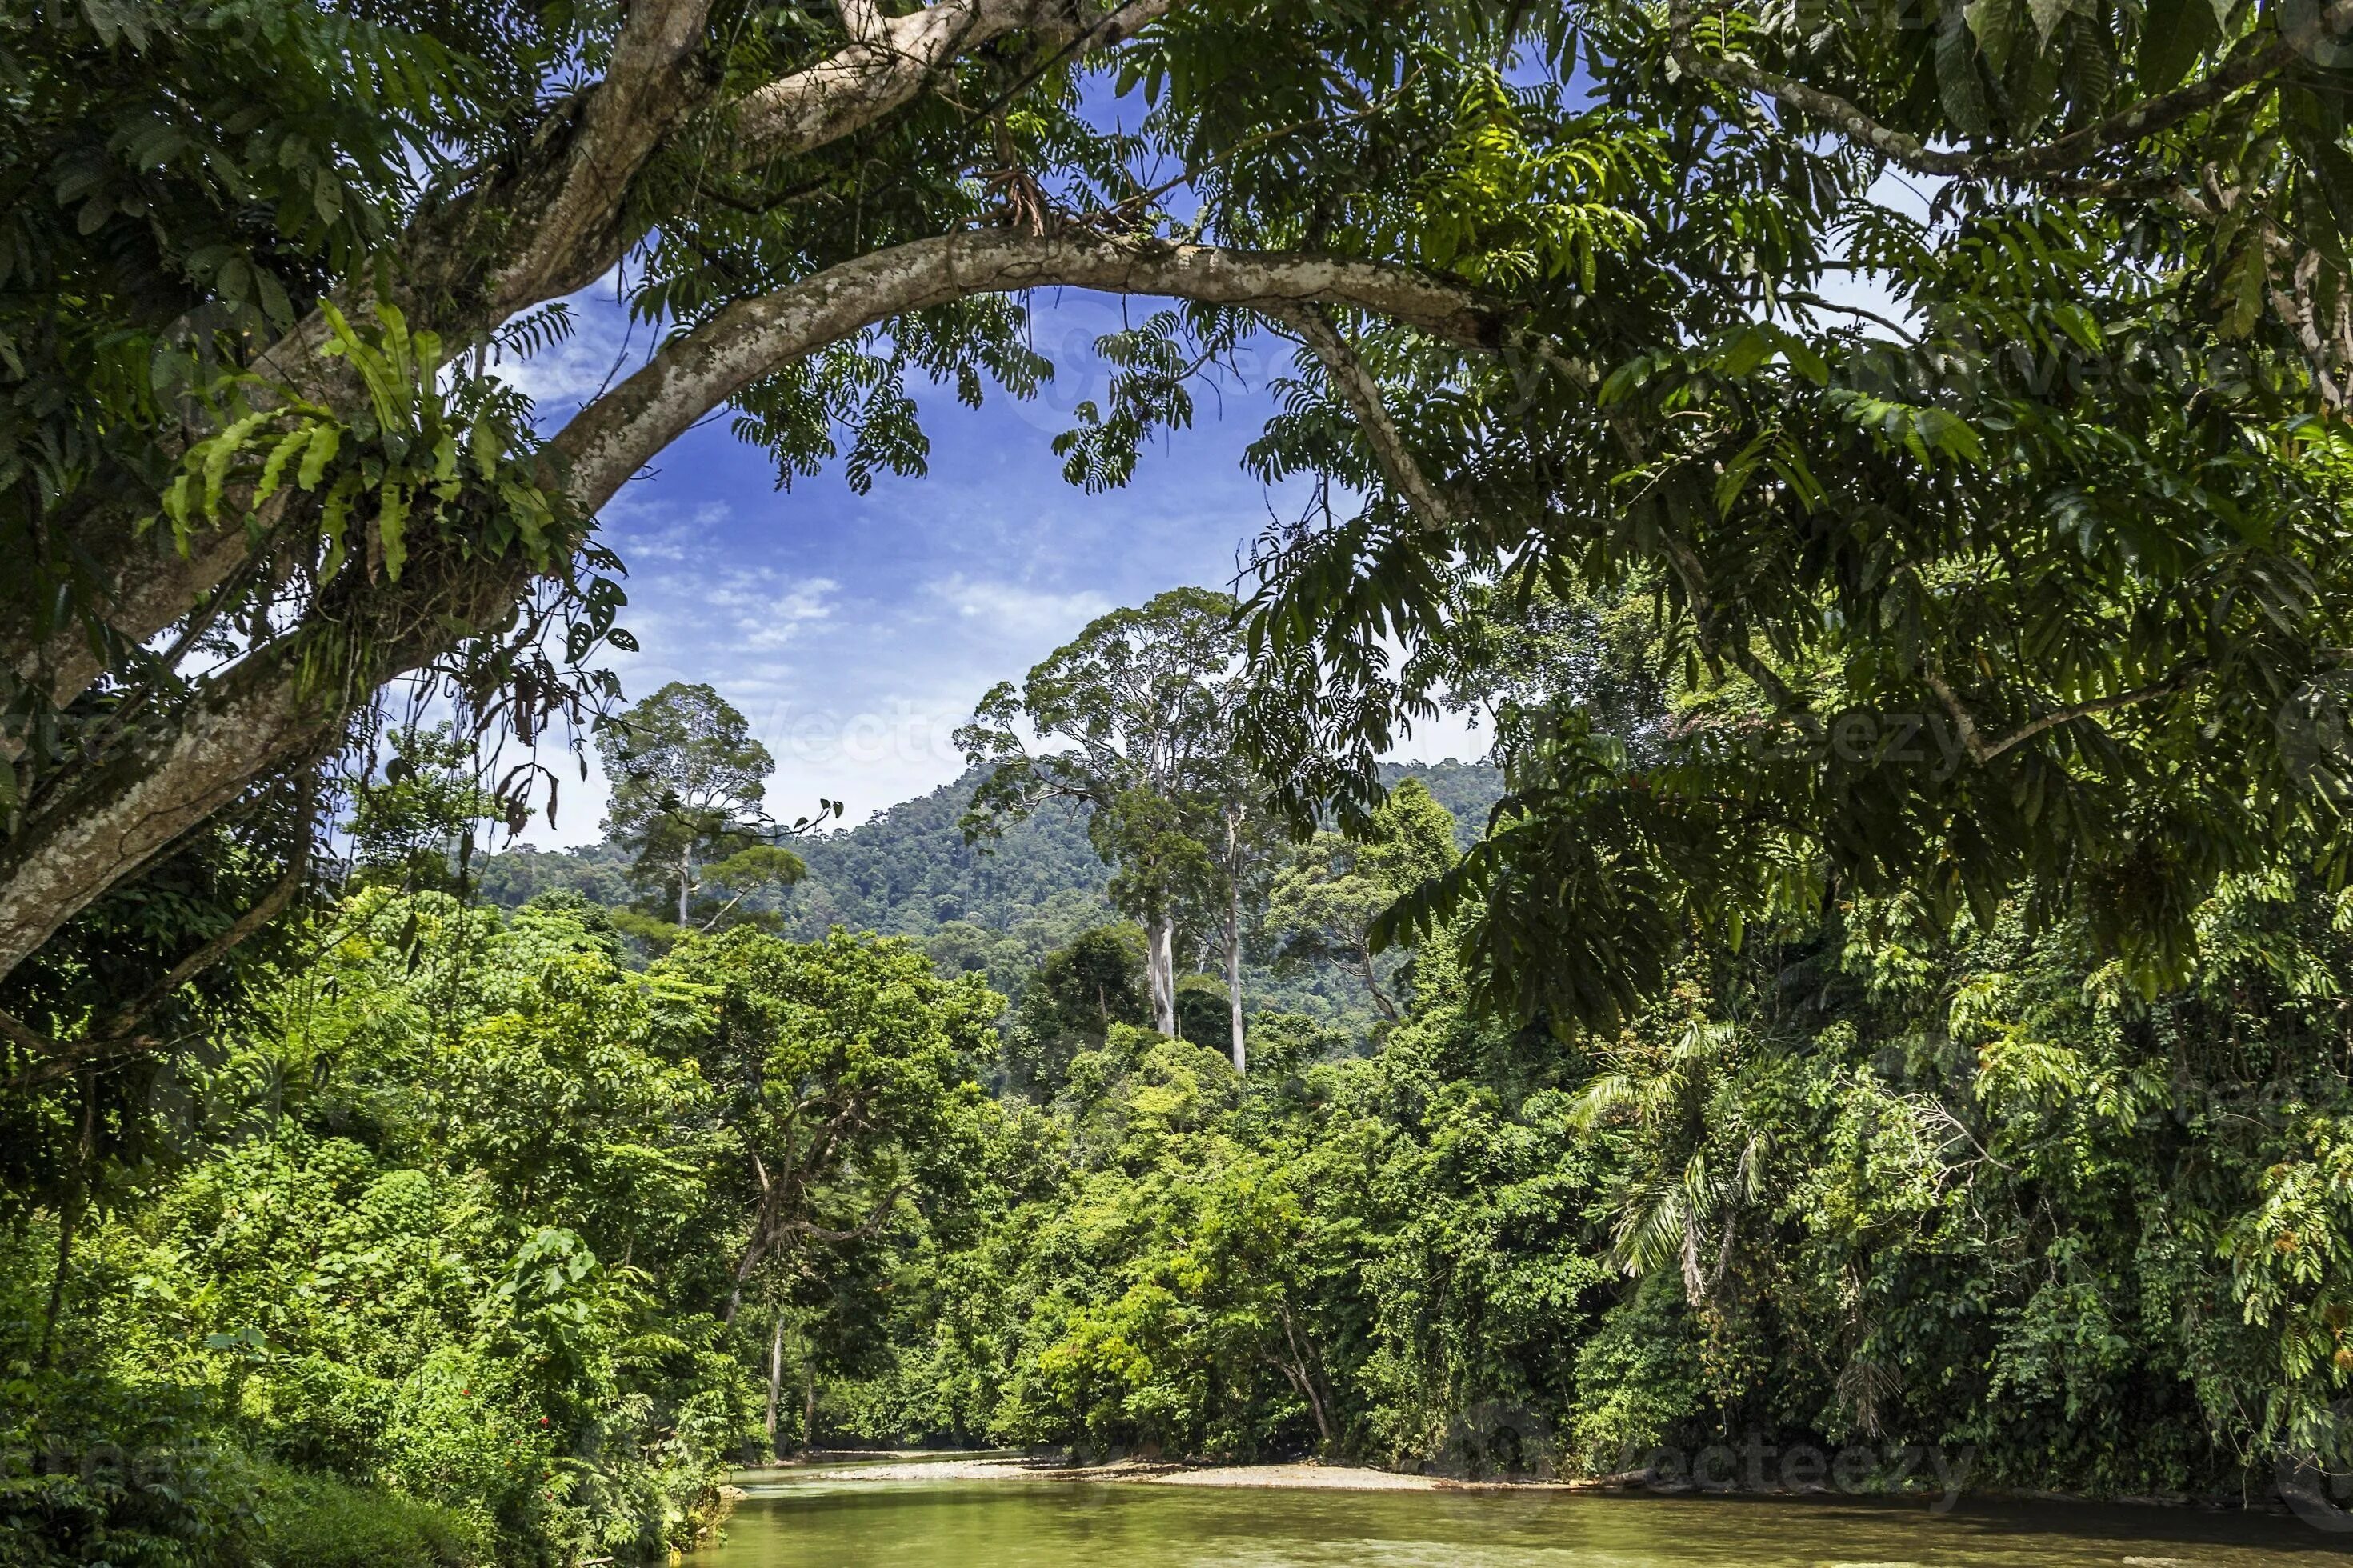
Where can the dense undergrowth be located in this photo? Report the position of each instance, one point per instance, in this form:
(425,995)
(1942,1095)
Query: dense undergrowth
(1975,1198)
(494,1250)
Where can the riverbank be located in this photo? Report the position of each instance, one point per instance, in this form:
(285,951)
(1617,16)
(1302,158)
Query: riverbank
(920,1465)
(1004,1511)
(1301,1477)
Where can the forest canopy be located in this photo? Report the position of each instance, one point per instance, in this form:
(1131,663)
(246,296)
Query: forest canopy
(1897,994)
(1568,293)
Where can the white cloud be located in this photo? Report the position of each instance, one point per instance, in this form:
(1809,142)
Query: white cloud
(771,621)
(643,529)
(1010,605)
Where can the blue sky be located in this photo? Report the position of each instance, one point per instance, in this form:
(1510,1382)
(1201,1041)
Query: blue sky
(857,632)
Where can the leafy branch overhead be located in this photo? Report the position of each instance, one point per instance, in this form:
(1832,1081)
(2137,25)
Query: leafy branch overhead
(1573,292)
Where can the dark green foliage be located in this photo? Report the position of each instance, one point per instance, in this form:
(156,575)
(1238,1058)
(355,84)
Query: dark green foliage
(1882,1192)
(599,873)
(418,826)
(1069,1004)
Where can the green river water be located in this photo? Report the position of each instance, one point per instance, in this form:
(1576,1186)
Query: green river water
(807,1520)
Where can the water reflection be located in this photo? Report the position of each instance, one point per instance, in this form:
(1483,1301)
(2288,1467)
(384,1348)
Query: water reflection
(806,1518)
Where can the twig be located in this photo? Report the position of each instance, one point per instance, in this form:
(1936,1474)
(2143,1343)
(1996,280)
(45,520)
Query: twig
(1974,744)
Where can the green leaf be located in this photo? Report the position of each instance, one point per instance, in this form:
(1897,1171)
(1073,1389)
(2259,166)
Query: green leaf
(2243,285)
(1749,348)
(2173,34)
(324,440)
(273,469)
(391,526)
(1958,85)
(1995,25)
(2048,15)
(327,196)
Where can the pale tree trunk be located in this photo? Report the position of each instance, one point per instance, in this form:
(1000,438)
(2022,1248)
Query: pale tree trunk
(1234,941)
(1381,998)
(685,880)
(1160,972)
(776,1377)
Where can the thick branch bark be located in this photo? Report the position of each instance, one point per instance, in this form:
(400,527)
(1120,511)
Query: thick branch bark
(863,20)
(881,70)
(286,704)
(115,1036)
(613,437)
(648,91)
(2072,151)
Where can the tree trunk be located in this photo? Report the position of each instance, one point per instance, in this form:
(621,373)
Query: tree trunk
(1373,983)
(1160,971)
(809,1405)
(58,1279)
(66,1217)
(1234,961)
(285,705)
(776,1377)
(685,880)
(1300,1370)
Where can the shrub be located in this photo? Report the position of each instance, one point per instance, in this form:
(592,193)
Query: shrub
(317,1521)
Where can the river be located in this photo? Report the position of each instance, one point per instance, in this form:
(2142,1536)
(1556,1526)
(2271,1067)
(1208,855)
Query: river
(809,1520)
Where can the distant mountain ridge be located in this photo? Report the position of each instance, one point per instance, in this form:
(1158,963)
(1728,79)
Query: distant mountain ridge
(907,871)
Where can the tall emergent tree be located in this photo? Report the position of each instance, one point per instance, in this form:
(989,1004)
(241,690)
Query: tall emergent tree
(1568,285)
(688,780)
(1245,839)
(1143,702)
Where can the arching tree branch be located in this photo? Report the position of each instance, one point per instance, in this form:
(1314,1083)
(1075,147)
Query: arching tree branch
(270,710)
(875,75)
(1357,388)
(614,437)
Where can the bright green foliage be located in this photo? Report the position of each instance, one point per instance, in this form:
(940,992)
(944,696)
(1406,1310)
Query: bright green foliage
(1069,1003)
(1325,905)
(418,454)
(687,779)
(415,828)
(474,1238)
(508,1256)
(1879,1190)
(844,1076)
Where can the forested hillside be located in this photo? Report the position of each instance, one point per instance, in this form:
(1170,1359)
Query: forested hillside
(908,870)
(996,907)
